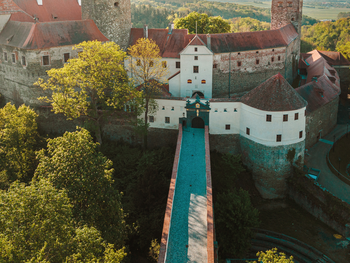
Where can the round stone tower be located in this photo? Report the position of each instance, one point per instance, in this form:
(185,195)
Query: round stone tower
(284,12)
(112,17)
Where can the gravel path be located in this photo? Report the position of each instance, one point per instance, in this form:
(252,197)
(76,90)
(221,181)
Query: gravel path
(188,228)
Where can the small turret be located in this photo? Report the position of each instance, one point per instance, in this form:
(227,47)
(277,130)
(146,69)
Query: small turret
(284,12)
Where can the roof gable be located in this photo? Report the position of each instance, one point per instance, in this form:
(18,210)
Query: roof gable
(275,94)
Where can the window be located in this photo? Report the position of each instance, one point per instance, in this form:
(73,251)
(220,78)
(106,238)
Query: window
(279,4)
(227,127)
(257,61)
(292,18)
(13,58)
(247,131)
(272,59)
(268,117)
(279,138)
(195,69)
(167,119)
(163,107)
(239,63)
(150,64)
(239,53)
(164,64)
(177,64)
(172,108)
(273,50)
(195,49)
(66,57)
(215,65)
(46,60)
(279,58)
(235,110)
(116,4)
(24,62)
(257,52)
(203,81)
(216,110)
(5,56)
(296,116)
(195,57)
(300,134)
(138,62)
(225,110)
(290,4)
(189,81)
(285,117)
(151,118)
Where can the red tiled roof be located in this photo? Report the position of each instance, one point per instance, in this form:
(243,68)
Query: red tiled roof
(51,10)
(8,6)
(318,93)
(334,58)
(177,73)
(275,94)
(196,41)
(171,45)
(51,34)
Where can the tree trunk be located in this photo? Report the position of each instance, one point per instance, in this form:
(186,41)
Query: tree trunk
(96,119)
(145,139)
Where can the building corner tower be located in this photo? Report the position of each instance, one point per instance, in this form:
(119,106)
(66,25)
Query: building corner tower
(112,17)
(284,12)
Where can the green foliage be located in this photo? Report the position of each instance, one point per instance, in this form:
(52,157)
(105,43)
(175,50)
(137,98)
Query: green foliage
(143,177)
(306,20)
(328,36)
(248,24)
(235,217)
(72,162)
(205,24)
(273,256)
(18,139)
(89,83)
(36,225)
(154,250)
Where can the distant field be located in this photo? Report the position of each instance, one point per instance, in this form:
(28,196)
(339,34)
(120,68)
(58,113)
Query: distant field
(321,14)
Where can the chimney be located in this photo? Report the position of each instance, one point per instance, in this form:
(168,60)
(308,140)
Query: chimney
(170,28)
(145,31)
(208,41)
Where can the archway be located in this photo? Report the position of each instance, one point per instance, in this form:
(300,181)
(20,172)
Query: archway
(200,94)
(197,123)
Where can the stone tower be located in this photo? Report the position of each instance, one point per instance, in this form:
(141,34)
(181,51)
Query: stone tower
(284,12)
(112,17)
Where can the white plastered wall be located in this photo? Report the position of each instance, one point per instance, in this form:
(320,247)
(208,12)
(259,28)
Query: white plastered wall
(222,114)
(265,133)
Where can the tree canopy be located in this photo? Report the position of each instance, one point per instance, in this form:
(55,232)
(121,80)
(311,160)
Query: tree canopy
(36,225)
(273,256)
(89,83)
(202,24)
(18,138)
(72,162)
(248,24)
(148,71)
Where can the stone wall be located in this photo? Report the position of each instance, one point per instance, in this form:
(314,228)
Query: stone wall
(284,12)
(270,166)
(320,122)
(112,17)
(344,75)
(225,143)
(240,72)
(319,202)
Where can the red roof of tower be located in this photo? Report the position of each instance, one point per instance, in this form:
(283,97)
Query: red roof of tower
(275,94)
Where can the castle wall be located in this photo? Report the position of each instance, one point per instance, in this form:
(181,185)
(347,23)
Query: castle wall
(284,12)
(225,143)
(292,60)
(223,114)
(245,74)
(270,166)
(16,79)
(344,75)
(320,122)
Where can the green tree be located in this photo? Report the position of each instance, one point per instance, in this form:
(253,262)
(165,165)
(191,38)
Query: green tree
(36,225)
(87,85)
(72,162)
(18,138)
(148,70)
(235,217)
(205,24)
(248,24)
(344,49)
(273,256)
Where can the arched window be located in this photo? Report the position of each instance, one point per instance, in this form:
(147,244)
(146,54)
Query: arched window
(203,81)
(189,81)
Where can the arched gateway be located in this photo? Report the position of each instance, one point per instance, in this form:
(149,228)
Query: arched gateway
(198,122)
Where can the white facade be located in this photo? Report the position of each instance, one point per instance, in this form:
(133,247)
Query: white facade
(265,132)
(196,72)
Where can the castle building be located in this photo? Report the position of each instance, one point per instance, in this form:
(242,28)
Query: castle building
(240,81)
